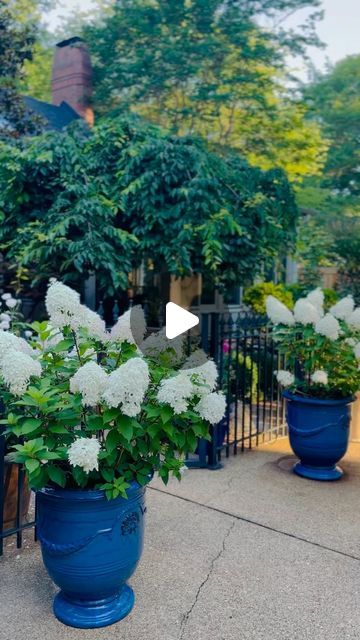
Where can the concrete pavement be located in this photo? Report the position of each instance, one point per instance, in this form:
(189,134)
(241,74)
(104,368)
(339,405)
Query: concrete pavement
(250,552)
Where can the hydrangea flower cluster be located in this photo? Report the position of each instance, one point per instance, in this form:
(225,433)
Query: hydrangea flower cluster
(127,385)
(278,312)
(305,312)
(90,381)
(131,326)
(285,378)
(64,309)
(328,326)
(16,369)
(84,453)
(212,407)
(10,311)
(324,346)
(320,377)
(197,378)
(63,306)
(176,391)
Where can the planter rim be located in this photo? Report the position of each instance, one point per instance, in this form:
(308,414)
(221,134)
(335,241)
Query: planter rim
(333,402)
(84,494)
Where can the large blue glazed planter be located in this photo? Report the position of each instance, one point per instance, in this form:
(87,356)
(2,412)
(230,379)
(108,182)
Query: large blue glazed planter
(319,434)
(90,547)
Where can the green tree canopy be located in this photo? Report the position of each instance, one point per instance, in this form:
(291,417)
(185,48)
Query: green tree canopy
(331,230)
(16,45)
(207,67)
(334,100)
(126,192)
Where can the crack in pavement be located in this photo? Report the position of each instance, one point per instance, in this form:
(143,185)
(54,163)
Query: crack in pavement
(187,615)
(262,525)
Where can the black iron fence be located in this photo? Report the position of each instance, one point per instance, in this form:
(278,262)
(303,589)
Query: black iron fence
(246,355)
(247,359)
(16,513)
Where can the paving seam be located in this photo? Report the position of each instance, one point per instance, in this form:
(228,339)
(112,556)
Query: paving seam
(257,524)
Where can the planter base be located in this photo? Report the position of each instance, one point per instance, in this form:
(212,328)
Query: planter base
(84,614)
(318,473)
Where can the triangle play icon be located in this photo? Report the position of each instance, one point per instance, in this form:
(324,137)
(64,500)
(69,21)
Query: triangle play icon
(178,320)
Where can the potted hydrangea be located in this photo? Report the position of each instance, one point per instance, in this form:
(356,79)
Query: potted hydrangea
(98,413)
(322,351)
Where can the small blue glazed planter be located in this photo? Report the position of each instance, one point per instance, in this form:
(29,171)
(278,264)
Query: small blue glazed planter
(319,434)
(90,547)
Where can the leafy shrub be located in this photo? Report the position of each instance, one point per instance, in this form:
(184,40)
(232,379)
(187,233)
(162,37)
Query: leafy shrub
(242,377)
(255,296)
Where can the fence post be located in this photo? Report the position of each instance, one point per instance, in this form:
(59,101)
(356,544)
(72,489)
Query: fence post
(2,490)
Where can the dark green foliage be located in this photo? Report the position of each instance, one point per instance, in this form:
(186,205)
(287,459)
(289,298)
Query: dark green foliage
(334,100)
(185,57)
(330,232)
(105,200)
(16,44)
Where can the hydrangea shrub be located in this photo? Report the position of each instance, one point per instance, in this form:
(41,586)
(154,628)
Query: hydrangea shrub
(97,409)
(322,350)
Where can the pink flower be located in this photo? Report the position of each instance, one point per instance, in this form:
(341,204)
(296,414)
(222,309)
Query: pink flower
(225,346)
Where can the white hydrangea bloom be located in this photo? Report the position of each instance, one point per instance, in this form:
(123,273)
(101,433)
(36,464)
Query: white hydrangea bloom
(343,308)
(157,343)
(4,317)
(278,312)
(285,378)
(176,391)
(16,369)
(4,325)
(63,306)
(354,318)
(212,407)
(320,377)
(84,453)
(328,326)
(6,296)
(90,381)
(316,298)
(127,385)
(357,351)
(202,371)
(131,326)
(10,342)
(305,312)
(91,321)
(11,303)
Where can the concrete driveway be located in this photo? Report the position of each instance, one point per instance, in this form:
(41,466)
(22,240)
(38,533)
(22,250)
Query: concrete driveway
(249,552)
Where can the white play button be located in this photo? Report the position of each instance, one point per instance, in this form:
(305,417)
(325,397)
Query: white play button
(178,320)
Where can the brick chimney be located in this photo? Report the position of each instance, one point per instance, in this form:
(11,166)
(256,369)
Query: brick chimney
(72,77)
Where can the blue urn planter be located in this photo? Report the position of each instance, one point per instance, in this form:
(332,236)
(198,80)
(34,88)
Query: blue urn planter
(319,434)
(90,547)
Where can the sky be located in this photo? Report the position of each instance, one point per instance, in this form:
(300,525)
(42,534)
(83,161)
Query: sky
(339,29)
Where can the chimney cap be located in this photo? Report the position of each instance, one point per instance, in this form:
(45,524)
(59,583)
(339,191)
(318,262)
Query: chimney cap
(69,42)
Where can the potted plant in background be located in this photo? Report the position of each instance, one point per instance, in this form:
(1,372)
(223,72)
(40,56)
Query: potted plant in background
(323,351)
(98,416)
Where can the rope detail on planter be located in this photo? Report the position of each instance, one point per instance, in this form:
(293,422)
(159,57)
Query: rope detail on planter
(305,433)
(130,522)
